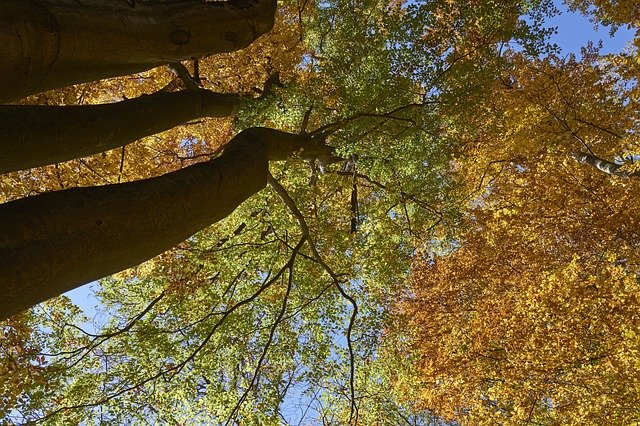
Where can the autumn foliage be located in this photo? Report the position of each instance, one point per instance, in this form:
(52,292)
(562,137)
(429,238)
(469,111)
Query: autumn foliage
(534,316)
(458,265)
(531,315)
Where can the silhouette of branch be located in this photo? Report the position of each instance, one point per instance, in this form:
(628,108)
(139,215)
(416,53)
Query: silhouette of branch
(288,201)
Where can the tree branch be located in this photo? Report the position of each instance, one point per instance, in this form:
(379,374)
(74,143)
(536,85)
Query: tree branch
(271,334)
(175,369)
(183,74)
(602,165)
(288,201)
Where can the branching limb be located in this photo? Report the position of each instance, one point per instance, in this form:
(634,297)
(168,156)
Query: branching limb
(331,128)
(293,209)
(250,299)
(403,194)
(99,339)
(305,120)
(269,340)
(183,74)
(172,370)
(272,81)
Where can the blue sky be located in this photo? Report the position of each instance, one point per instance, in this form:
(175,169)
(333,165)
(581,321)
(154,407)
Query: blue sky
(575,31)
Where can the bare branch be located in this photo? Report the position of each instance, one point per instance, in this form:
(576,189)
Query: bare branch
(403,194)
(305,120)
(273,80)
(175,369)
(286,198)
(390,115)
(121,163)
(183,74)
(269,340)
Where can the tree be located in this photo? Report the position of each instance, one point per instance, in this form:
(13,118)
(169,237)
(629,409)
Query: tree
(96,133)
(530,315)
(611,13)
(21,365)
(83,234)
(103,127)
(235,318)
(38,135)
(52,44)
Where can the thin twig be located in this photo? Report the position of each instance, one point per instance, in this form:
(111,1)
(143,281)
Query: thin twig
(121,163)
(403,194)
(269,340)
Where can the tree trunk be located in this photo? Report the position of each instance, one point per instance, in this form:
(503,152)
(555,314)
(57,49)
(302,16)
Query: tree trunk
(47,44)
(602,165)
(34,135)
(54,242)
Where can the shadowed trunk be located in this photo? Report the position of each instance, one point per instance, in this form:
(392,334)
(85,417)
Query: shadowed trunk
(54,242)
(47,44)
(35,135)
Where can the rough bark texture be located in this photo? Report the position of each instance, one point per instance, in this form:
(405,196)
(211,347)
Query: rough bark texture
(54,242)
(602,165)
(34,135)
(47,44)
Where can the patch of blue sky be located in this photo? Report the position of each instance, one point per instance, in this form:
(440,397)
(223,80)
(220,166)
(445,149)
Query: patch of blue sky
(188,144)
(84,297)
(575,31)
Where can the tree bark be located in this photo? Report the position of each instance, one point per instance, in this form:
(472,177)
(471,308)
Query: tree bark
(602,165)
(54,242)
(35,135)
(47,44)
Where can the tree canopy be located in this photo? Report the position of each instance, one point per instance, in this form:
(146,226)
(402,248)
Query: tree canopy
(529,316)
(423,214)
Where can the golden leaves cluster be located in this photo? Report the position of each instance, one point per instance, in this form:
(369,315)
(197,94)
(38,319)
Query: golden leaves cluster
(532,314)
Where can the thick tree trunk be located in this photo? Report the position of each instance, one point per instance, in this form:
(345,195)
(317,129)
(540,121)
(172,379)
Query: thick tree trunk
(54,242)
(34,135)
(602,165)
(47,44)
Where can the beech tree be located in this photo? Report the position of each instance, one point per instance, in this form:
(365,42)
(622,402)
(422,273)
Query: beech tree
(52,44)
(38,135)
(83,234)
(64,35)
(287,296)
(46,135)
